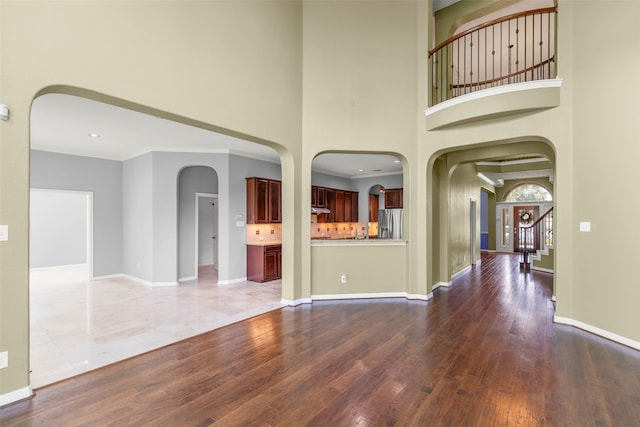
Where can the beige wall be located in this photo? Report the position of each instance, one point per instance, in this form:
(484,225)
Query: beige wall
(464,186)
(229,66)
(362,86)
(605,166)
(361,94)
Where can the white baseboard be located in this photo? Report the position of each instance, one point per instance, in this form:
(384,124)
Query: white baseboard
(420,296)
(597,331)
(232,281)
(545,270)
(60,267)
(441,285)
(16,395)
(109,276)
(150,284)
(186,279)
(293,303)
(464,270)
(371,295)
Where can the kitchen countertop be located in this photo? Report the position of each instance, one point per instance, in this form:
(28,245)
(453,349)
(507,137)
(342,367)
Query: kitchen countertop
(265,243)
(357,242)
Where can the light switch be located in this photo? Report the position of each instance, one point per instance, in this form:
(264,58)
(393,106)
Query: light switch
(4,233)
(585,226)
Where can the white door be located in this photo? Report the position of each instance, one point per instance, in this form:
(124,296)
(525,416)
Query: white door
(504,228)
(206,230)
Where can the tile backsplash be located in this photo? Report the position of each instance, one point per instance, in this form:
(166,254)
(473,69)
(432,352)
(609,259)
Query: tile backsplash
(260,233)
(341,230)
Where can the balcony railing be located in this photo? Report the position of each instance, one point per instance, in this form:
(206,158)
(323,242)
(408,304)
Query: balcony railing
(513,49)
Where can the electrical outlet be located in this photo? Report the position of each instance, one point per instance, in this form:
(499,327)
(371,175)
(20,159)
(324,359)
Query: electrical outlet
(4,359)
(343,278)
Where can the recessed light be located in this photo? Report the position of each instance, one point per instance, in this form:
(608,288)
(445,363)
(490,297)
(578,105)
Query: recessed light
(94,135)
(360,170)
(396,161)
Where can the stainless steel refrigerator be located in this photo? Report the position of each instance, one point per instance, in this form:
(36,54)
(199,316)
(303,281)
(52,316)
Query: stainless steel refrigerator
(390,224)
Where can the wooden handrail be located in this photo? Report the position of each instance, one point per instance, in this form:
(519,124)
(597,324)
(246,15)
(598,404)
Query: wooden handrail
(491,23)
(536,222)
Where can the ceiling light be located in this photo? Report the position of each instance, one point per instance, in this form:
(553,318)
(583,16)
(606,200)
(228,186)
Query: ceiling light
(396,161)
(360,170)
(94,135)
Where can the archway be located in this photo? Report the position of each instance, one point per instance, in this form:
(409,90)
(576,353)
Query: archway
(454,179)
(198,206)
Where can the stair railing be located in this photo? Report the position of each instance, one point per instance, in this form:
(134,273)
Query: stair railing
(512,49)
(535,237)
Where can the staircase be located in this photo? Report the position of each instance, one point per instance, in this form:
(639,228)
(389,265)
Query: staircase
(535,240)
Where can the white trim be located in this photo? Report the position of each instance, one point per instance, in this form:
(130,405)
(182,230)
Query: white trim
(545,270)
(514,87)
(150,284)
(464,270)
(370,295)
(59,267)
(232,281)
(186,279)
(597,331)
(16,395)
(420,296)
(293,303)
(514,162)
(109,276)
(441,285)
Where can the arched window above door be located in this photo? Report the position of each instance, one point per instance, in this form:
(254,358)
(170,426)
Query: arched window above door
(528,192)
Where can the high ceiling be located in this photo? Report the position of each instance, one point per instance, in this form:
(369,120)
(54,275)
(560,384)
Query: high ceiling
(79,126)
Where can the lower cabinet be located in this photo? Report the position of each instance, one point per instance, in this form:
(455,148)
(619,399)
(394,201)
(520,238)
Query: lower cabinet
(264,263)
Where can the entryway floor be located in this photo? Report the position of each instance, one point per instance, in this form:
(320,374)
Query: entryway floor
(78,325)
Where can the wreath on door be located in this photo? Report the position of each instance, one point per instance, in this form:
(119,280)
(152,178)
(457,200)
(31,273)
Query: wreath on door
(526,217)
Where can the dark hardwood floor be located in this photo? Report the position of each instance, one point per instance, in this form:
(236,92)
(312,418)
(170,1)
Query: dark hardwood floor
(482,353)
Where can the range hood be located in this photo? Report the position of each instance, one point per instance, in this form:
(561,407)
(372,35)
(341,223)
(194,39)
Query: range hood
(319,210)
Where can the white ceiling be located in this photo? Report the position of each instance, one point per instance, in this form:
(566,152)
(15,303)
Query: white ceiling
(63,124)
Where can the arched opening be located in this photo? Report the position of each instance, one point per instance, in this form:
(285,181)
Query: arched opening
(147,177)
(198,206)
(459,175)
(354,254)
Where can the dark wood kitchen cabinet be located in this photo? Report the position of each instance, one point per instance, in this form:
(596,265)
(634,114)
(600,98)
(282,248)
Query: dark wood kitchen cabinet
(339,206)
(318,197)
(342,204)
(264,263)
(393,198)
(264,201)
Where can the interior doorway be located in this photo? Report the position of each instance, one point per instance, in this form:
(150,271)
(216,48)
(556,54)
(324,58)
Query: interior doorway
(206,235)
(61,229)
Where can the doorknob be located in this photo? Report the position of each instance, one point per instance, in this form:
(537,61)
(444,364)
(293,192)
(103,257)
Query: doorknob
(213,237)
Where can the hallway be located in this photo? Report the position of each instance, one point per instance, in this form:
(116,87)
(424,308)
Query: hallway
(483,352)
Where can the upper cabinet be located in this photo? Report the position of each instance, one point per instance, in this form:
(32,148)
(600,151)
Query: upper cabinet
(263,201)
(342,204)
(393,198)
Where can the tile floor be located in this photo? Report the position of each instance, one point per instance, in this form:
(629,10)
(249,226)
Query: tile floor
(78,325)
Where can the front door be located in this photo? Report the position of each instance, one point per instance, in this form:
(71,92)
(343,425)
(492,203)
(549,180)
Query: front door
(524,217)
